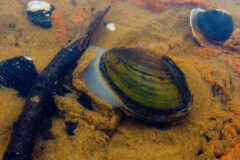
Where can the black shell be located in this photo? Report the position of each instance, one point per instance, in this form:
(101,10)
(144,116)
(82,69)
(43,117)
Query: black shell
(18,73)
(41,17)
(216,25)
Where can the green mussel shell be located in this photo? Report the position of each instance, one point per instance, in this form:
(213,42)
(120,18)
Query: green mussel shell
(151,86)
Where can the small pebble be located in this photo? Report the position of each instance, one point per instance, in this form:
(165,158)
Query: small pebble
(110,26)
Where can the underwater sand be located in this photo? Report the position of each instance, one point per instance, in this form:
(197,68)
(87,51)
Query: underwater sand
(212,129)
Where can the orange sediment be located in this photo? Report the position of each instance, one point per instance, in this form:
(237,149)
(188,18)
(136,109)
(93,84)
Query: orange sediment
(233,154)
(227,148)
(80,15)
(231,130)
(59,26)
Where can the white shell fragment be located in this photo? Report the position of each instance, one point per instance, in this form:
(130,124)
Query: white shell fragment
(38,5)
(94,81)
(28,58)
(110,26)
(223,11)
(193,15)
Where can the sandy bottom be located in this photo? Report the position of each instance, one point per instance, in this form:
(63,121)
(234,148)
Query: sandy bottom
(212,129)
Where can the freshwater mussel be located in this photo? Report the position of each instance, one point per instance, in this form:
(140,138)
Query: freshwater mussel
(212,27)
(40,12)
(18,73)
(144,84)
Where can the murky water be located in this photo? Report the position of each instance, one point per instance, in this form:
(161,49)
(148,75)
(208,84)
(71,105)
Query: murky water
(210,131)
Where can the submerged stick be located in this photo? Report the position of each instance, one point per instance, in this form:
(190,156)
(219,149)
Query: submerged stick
(26,128)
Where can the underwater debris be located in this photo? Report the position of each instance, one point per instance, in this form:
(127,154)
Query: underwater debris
(39,12)
(33,114)
(18,73)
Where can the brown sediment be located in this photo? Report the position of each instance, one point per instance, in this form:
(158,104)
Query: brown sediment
(233,44)
(233,62)
(218,79)
(105,119)
(162,5)
(234,41)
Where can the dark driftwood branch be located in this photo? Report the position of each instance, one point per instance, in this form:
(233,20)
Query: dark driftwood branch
(26,128)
